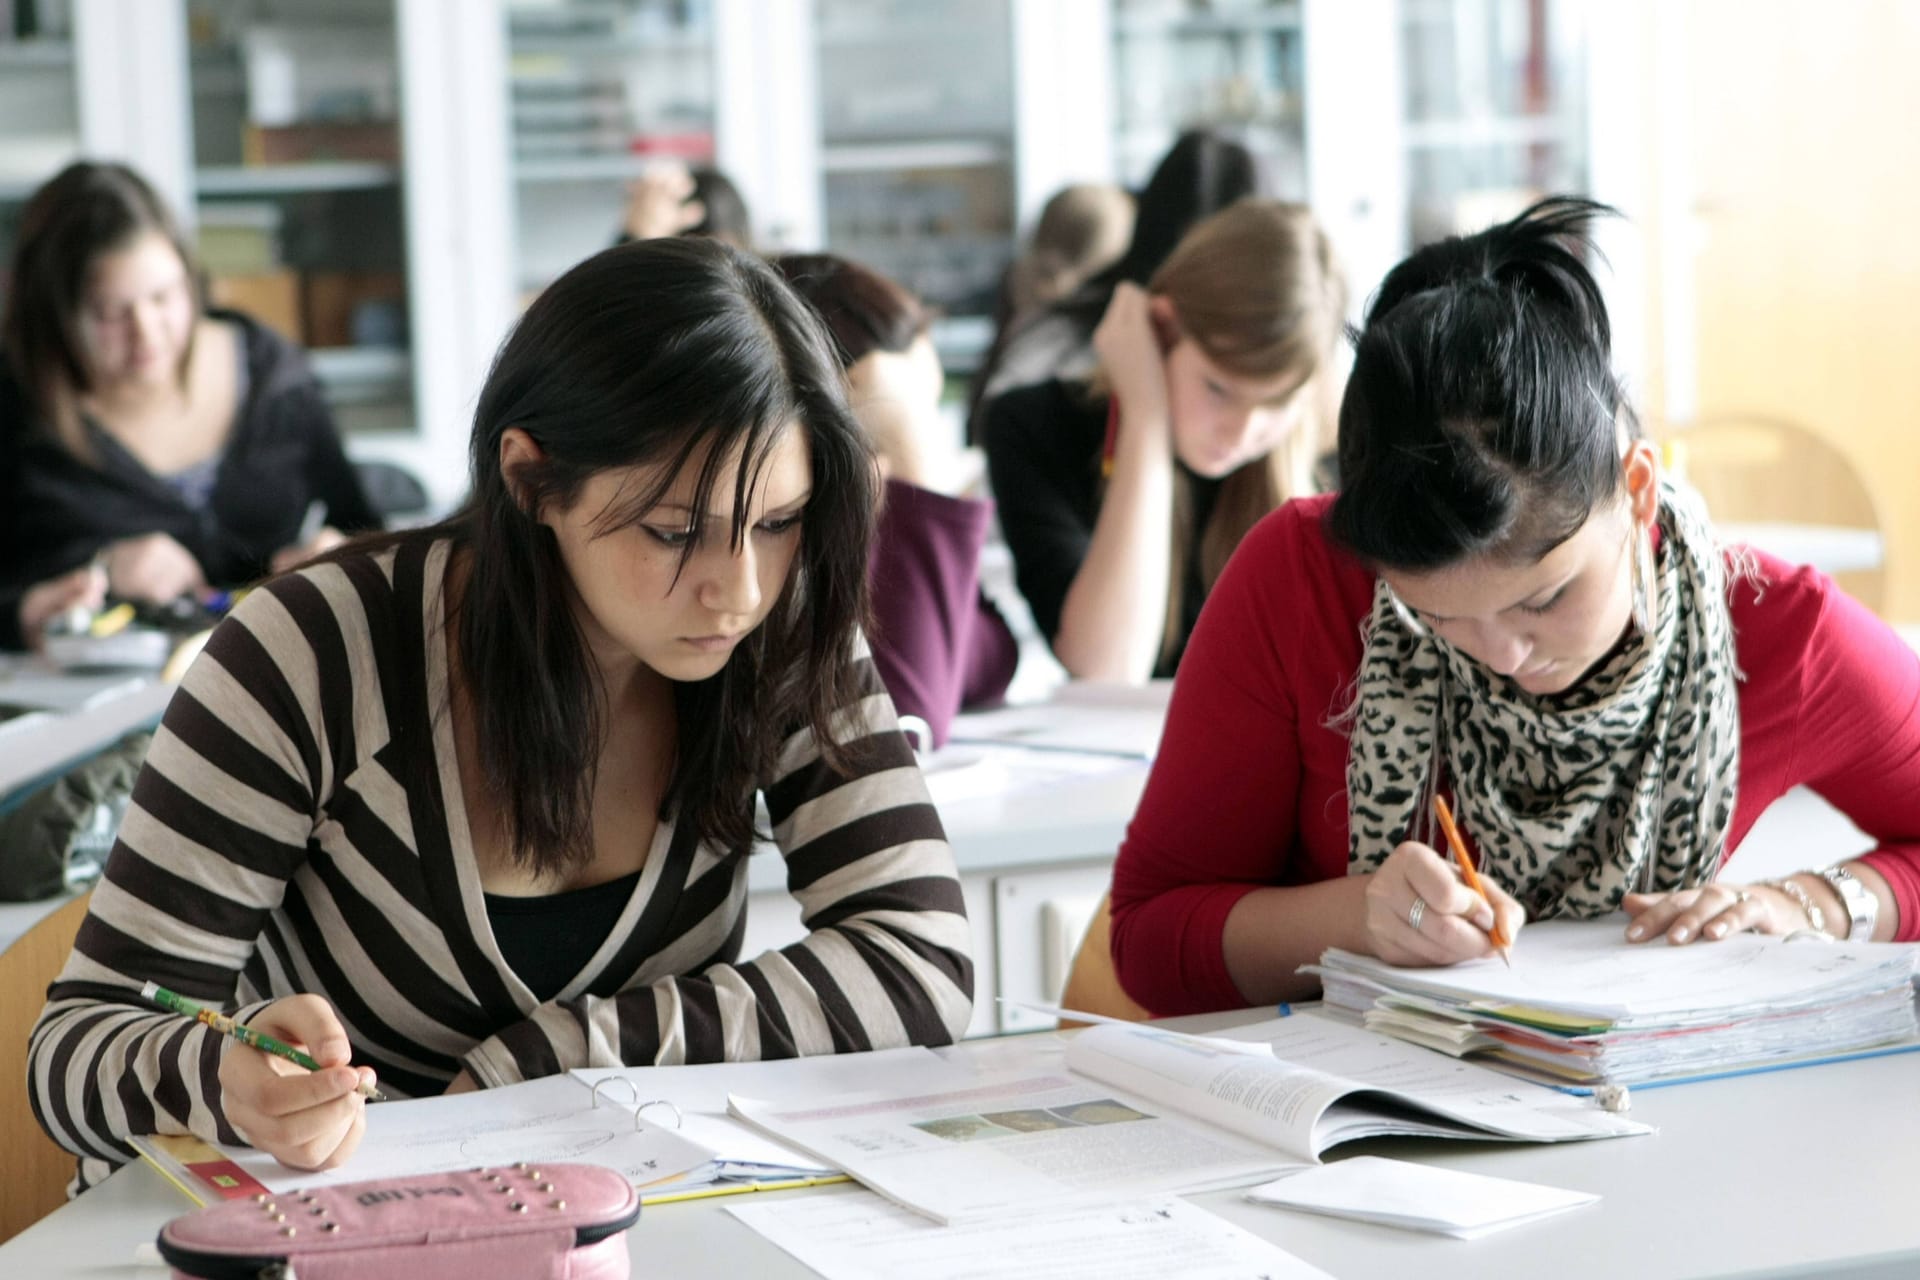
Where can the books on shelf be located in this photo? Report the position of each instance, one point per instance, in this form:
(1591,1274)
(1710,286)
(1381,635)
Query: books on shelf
(1582,1007)
(1141,1110)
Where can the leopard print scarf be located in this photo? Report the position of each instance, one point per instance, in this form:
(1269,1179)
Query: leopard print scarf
(1625,783)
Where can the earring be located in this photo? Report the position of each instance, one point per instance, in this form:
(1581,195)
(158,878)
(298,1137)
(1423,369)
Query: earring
(1643,582)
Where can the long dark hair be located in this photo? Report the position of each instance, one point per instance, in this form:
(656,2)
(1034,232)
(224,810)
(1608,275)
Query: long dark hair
(1482,413)
(86,210)
(642,355)
(863,310)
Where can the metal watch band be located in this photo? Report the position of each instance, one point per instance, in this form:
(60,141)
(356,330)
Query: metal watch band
(1862,907)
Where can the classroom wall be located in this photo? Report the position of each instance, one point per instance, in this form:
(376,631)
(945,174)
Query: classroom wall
(1797,234)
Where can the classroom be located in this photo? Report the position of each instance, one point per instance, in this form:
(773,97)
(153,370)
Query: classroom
(845,638)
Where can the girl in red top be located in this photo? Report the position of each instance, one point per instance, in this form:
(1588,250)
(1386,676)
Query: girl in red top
(1505,604)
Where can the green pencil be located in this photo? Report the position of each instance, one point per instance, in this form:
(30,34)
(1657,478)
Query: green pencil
(244,1034)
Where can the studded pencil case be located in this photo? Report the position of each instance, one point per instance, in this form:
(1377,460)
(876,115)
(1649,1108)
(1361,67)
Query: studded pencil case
(541,1222)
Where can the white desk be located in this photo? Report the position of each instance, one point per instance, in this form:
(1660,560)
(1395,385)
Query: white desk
(1798,1173)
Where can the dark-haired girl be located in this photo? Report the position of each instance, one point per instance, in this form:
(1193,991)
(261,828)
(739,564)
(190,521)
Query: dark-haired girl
(179,447)
(1505,604)
(472,804)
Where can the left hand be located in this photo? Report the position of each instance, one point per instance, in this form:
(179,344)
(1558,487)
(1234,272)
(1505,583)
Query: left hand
(462,1083)
(293,557)
(1711,912)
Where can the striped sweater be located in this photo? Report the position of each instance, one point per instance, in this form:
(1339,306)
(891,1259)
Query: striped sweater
(299,827)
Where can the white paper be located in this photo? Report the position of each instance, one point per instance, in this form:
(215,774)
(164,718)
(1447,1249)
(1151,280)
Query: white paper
(860,1236)
(548,1119)
(1417,1196)
(1589,969)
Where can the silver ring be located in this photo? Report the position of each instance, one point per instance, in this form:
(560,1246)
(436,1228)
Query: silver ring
(1740,896)
(1416,912)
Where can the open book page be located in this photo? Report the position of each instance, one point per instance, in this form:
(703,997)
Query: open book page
(698,1095)
(550,1119)
(1328,1083)
(1010,1143)
(1586,970)
(859,1236)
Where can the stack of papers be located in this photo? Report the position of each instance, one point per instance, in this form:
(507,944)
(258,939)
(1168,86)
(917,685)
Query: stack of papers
(1583,1007)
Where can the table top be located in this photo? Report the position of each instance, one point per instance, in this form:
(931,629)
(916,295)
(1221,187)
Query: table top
(1794,1173)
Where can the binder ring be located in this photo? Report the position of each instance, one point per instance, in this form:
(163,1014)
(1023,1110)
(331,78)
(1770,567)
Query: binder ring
(631,1090)
(640,1111)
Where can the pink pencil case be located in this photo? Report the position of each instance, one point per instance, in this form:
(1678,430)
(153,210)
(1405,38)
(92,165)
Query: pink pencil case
(551,1221)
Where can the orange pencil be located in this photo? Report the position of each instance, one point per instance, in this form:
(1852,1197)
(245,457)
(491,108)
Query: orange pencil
(1501,943)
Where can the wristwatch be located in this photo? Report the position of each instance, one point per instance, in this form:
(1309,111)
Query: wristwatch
(1862,907)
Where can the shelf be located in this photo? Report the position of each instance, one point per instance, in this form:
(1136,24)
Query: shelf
(1486,131)
(36,55)
(1260,23)
(363,375)
(872,157)
(291,179)
(628,46)
(583,168)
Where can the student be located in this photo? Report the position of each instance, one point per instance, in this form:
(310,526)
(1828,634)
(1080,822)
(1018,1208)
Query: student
(1505,604)
(181,446)
(471,804)
(939,644)
(1082,231)
(1122,498)
(672,200)
(1201,174)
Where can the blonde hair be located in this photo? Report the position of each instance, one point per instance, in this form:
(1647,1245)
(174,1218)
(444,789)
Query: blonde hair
(1257,288)
(1082,230)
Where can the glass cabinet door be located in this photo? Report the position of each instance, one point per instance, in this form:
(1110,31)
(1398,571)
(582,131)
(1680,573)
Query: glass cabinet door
(1495,109)
(298,192)
(598,91)
(1233,65)
(917,137)
(39,117)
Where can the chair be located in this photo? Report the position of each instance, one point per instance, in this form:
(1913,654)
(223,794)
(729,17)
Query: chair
(37,1170)
(1092,986)
(1789,491)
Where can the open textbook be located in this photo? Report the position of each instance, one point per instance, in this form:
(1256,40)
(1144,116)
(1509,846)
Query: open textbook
(1145,1110)
(1581,1006)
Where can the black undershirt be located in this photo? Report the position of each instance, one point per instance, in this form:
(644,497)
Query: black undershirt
(547,940)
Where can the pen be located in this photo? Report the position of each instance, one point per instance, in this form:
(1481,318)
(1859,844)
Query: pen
(741,1188)
(311,523)
(1501,942)
(246,1035)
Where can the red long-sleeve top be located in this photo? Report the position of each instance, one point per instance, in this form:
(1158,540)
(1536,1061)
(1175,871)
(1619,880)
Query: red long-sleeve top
(1248,789)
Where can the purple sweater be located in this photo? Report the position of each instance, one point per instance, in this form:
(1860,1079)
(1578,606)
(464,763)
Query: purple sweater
(938,643)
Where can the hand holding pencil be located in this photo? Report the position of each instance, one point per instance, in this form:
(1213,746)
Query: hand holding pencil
(306,1107)
(1427,905)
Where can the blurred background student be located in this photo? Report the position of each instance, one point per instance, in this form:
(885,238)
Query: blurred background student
(1201,174)
(181,447)
(1122,495)
(673,200)
(1082,231)
(939,644)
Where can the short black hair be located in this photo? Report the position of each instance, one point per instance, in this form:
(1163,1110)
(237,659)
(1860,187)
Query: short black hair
(1482,414)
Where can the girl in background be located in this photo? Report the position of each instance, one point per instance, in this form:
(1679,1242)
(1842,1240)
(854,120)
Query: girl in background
(1122,496)
(180,446)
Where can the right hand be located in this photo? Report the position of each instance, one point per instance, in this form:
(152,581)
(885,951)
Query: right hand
(660,203)
(304,1119)
(153,568)
(44,601)
(1456,922)
(1130,353)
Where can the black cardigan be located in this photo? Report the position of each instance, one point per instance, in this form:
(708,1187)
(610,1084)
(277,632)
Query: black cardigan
(283,453)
